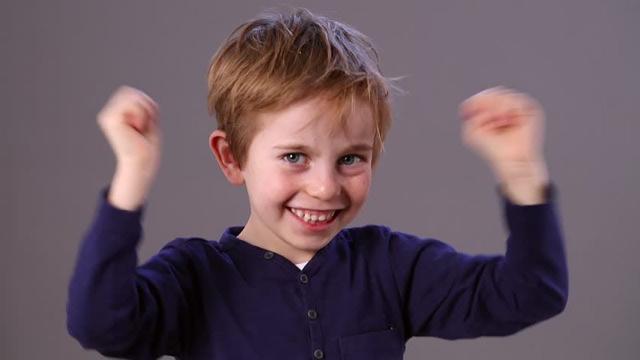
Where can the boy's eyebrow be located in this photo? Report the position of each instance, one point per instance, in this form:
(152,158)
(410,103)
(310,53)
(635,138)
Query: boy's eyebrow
(360,147)
(306,149)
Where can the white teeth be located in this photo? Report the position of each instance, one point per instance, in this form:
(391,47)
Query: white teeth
(312,218)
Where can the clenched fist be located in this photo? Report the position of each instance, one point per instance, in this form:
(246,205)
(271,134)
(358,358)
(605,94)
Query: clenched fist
(503,126)
(129,121)
(506,128)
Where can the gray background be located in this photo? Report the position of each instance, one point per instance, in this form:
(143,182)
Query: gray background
(61,60)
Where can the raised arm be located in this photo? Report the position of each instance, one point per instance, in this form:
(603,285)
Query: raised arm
(114,306)
(453,295)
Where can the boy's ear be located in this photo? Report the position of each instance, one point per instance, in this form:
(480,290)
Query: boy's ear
(227,162)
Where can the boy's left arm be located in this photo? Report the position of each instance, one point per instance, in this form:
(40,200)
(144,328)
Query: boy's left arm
(506,128)
(453,295)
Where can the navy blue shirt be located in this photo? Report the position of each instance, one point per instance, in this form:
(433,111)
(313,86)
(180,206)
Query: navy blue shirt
(362,296)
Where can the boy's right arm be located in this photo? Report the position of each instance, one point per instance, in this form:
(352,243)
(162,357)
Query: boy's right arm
(114,306)
(124,310)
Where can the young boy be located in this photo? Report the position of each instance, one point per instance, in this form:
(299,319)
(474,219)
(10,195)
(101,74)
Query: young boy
(302,112)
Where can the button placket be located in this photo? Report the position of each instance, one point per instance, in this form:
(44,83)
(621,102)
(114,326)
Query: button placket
(304,278)
(315,331)
(312,314)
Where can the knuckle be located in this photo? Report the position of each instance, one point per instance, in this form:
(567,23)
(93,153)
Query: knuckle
(123,90)
(127,88)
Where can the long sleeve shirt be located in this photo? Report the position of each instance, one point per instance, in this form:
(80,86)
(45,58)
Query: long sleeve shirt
(362,296)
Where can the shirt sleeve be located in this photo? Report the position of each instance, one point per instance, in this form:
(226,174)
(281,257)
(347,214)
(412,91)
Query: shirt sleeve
(451,295)
(120,309)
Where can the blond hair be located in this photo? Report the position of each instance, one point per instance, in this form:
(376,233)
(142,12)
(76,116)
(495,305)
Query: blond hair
(278,59)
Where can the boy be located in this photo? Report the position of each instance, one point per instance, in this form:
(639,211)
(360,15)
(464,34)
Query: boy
(302,113)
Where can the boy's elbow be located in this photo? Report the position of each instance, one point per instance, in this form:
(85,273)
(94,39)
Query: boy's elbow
(102,342)
(81,328)
(557,294)
(81,334)
(104,339)
(560,302)
(81,331)
(543,296)
(77,325)
(547,302)
(95,332)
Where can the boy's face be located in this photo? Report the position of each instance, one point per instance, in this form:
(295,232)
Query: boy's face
(306,177)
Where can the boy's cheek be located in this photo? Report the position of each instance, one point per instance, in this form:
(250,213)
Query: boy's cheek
(360,186)
(277,187)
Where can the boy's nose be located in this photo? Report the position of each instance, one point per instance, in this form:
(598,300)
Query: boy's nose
(323,184)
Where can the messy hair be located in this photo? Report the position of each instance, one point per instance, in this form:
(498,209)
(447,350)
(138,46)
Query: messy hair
(278,59)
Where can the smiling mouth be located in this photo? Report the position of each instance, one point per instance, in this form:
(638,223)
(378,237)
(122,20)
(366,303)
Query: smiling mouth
(314,216)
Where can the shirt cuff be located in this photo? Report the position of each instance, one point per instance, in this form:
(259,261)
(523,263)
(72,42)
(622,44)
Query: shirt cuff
(530,217)
(116,220)
(549,195)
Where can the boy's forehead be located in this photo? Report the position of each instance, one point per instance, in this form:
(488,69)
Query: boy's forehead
(315,117)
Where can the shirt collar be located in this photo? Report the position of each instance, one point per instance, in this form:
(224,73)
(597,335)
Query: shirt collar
(258,255)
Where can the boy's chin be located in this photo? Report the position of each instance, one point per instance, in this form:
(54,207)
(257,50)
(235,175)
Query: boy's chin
(308,244)
(312,243)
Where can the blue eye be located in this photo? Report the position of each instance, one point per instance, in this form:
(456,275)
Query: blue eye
(350,159)
(293,158)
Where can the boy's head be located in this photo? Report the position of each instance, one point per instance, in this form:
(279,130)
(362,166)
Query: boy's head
(302,111)
(278,59)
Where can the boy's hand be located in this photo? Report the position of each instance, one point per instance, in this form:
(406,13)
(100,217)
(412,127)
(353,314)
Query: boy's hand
(503,126)
(129,121)
(506,128)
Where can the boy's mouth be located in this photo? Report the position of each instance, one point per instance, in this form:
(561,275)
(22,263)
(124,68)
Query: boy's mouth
(314,216)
